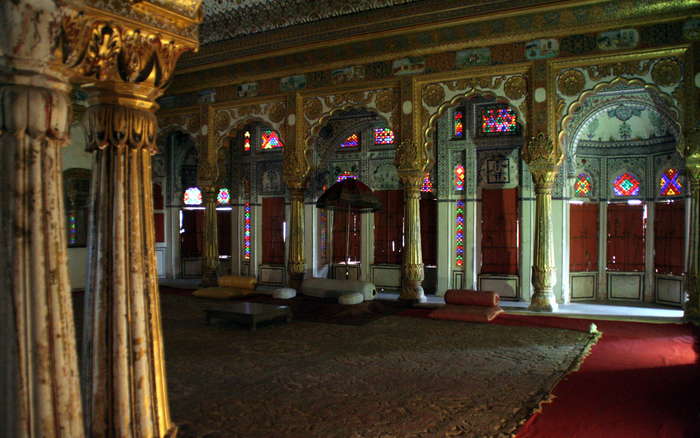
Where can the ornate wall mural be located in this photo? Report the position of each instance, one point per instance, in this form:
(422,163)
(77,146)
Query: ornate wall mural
(230,118)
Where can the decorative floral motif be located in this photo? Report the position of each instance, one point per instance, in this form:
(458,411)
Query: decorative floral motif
(571,82)
(385,101)
(312,108)
(433,95)
(277,112)
(666,72)
(515,87)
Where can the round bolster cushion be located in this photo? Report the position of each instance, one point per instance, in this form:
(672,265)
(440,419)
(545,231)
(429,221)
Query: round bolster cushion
(351,298)
(468,297)
(284,293)
(237,281)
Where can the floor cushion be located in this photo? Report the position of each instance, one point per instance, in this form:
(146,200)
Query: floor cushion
(466,313)
(284,293)
(351,298)
(237,281)
(470,297)
(221,293)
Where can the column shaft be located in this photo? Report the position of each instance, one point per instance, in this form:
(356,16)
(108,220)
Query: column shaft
(692,307)
(413,274)
(123,365)
(296,265)
(210,263)
(543,278)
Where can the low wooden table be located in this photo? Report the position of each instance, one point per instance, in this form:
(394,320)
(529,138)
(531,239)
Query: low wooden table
(248,313)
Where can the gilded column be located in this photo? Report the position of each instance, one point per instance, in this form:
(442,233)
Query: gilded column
(543,158)
(124,67)
(412,266)
(295,172)
(39,380)
(296,264)
(210,263)
(689,147)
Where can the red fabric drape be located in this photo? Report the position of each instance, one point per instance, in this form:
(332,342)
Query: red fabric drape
(583,237)
(223,228)
(626,226)
(388,227)
(499,231)
(272,237)
(669,232)
(428,231)
(159,221)
(191,237)
(339,225)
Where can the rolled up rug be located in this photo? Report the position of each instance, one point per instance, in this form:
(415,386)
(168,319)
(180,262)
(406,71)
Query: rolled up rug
(468,297)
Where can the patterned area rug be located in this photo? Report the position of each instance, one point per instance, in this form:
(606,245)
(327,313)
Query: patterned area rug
(392,377)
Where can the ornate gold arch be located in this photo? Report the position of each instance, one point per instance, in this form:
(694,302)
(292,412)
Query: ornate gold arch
(567,134)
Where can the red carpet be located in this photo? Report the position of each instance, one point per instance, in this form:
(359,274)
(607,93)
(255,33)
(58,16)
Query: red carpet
(640,381)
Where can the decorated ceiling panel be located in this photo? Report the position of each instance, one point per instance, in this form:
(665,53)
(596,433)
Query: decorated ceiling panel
(226,19)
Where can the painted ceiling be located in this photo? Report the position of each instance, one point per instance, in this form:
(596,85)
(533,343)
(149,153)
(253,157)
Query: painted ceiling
(625,123)
(226,19)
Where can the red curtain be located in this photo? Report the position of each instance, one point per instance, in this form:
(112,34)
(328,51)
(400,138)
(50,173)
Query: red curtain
(669,233)
(272,237)
(191,236)
(626,237)
(158,218)
(499,231)
(388,227)
(428,231)
(223,227)
(339,225)
(583,237)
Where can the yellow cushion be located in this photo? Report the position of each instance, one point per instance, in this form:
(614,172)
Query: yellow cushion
(222,293)
(237,281)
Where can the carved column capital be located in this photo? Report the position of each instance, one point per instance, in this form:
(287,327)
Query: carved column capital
(543,157)
(296,168)
(411,159)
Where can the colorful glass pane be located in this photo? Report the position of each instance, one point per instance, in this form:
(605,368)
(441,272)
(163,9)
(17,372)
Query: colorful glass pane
(582,187)
(458,124)
(224,196)
(270,140)
(73,229)
(427,183)
(383,136)
(459,235)
(246,231)
(626,185)
(669,184)
(498,120)
(192,196)
(246,141)
(351,142)
(459,177)
(346,175)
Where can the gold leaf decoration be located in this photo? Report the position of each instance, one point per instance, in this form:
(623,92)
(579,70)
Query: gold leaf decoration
(385,101)
(433,95)
(223,119)
(277,112)
(666,72)
(515,87)
(313,108)
(571,82)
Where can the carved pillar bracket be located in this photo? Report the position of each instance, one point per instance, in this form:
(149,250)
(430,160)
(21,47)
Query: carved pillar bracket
(689,148)
(210,263)
(39,379)
(412,161)
(296,170)
(543,158)
(124,54)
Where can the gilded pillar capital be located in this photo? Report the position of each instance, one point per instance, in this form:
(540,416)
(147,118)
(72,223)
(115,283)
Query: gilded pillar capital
(411,159)
(543,157)
(296,168)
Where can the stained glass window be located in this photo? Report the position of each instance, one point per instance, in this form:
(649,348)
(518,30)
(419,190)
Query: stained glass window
(459,235)
(427,183)
(246,141)
(582,186)
(626,185)
(346,175)
(669,184)
(73,230)
(246,231)
(270,140)
(458,124)
(459,177)
(224,196)
(192,196)
(383,136)
(351,142)
(498,120)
